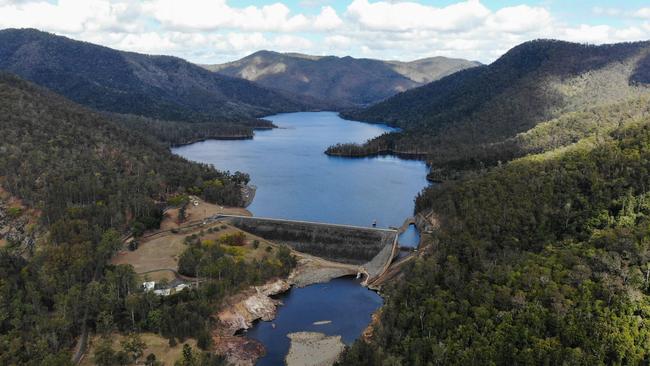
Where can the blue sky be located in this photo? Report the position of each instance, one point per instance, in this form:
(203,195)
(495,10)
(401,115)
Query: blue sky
(214,31)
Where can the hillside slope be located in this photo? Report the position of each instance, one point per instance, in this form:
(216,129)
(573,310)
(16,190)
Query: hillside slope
(454,120)
(160,87)
(57,155)
(90,183)
(342,81)
(543,260)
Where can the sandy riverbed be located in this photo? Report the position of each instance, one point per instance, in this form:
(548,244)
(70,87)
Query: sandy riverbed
(313,349)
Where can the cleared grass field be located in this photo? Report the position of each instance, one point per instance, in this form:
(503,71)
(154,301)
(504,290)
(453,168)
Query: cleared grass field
(158,257)
(156,344)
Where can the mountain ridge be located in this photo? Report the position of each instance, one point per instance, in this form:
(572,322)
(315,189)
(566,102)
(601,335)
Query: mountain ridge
(161,87)
(456,118)
(343,81)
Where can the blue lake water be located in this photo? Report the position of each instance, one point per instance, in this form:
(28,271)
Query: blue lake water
(410,237)
(343,301)
(296,180)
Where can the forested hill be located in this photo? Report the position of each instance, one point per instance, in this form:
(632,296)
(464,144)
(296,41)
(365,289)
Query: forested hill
(542,261)
(91,182)
(456,118)
(160,87)
(60,157)
(342,81)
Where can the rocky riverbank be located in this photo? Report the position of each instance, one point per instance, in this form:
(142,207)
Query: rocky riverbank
(239,314)
(241,311)
(253,306)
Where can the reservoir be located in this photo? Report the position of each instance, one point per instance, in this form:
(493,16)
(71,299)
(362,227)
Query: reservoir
(296,180)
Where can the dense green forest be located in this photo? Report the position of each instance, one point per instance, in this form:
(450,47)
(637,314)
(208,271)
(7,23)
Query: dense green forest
(93,181)
(70,162)
(175,133)
(535,259)
(456,121)
(541,261)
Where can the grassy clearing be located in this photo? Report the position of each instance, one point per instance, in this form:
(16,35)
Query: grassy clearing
(163,252)
(156,344)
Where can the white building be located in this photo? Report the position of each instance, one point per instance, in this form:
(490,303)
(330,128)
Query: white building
(163,292)
(181,287)
(148,286)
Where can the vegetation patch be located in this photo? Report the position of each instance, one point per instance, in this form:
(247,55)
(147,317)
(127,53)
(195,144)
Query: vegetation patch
(144,349)
(543,260)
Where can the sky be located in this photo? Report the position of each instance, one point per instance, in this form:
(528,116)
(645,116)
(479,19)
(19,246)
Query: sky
(217,31)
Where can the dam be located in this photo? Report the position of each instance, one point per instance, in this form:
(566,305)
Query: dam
(296,180)
(372,249)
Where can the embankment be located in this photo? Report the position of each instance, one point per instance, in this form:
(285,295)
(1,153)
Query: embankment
(338,243)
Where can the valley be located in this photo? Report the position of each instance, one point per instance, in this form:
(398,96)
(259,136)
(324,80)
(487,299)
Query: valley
(342,191)
(302,209)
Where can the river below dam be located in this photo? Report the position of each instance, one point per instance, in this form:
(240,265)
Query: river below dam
(296,180)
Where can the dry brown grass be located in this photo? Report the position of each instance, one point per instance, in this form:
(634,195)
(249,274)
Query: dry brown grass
(159,276)
(199,213)
(156,344)
(163,251)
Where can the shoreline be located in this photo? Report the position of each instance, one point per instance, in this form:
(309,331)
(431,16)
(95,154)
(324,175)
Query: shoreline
(248,193)
(220,138)
(223,137)
(385,152)
(242,311)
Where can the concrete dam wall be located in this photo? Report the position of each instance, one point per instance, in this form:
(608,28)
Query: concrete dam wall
(340,243)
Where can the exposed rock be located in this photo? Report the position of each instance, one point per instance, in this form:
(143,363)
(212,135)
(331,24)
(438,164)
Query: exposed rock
(367,333)
(313,349)
(239,351)
(253,306)
(274,288)
(311,270)
(249,307)
(257,304)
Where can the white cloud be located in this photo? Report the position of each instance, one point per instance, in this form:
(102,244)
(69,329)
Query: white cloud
(598,34)
(69,16)
(338,41)
(206,15)
(401,16)
(643,13)
(210,31)
(588,33)
(520,19)
(327,19)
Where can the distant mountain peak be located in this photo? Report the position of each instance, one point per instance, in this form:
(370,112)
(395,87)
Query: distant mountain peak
(343,81)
